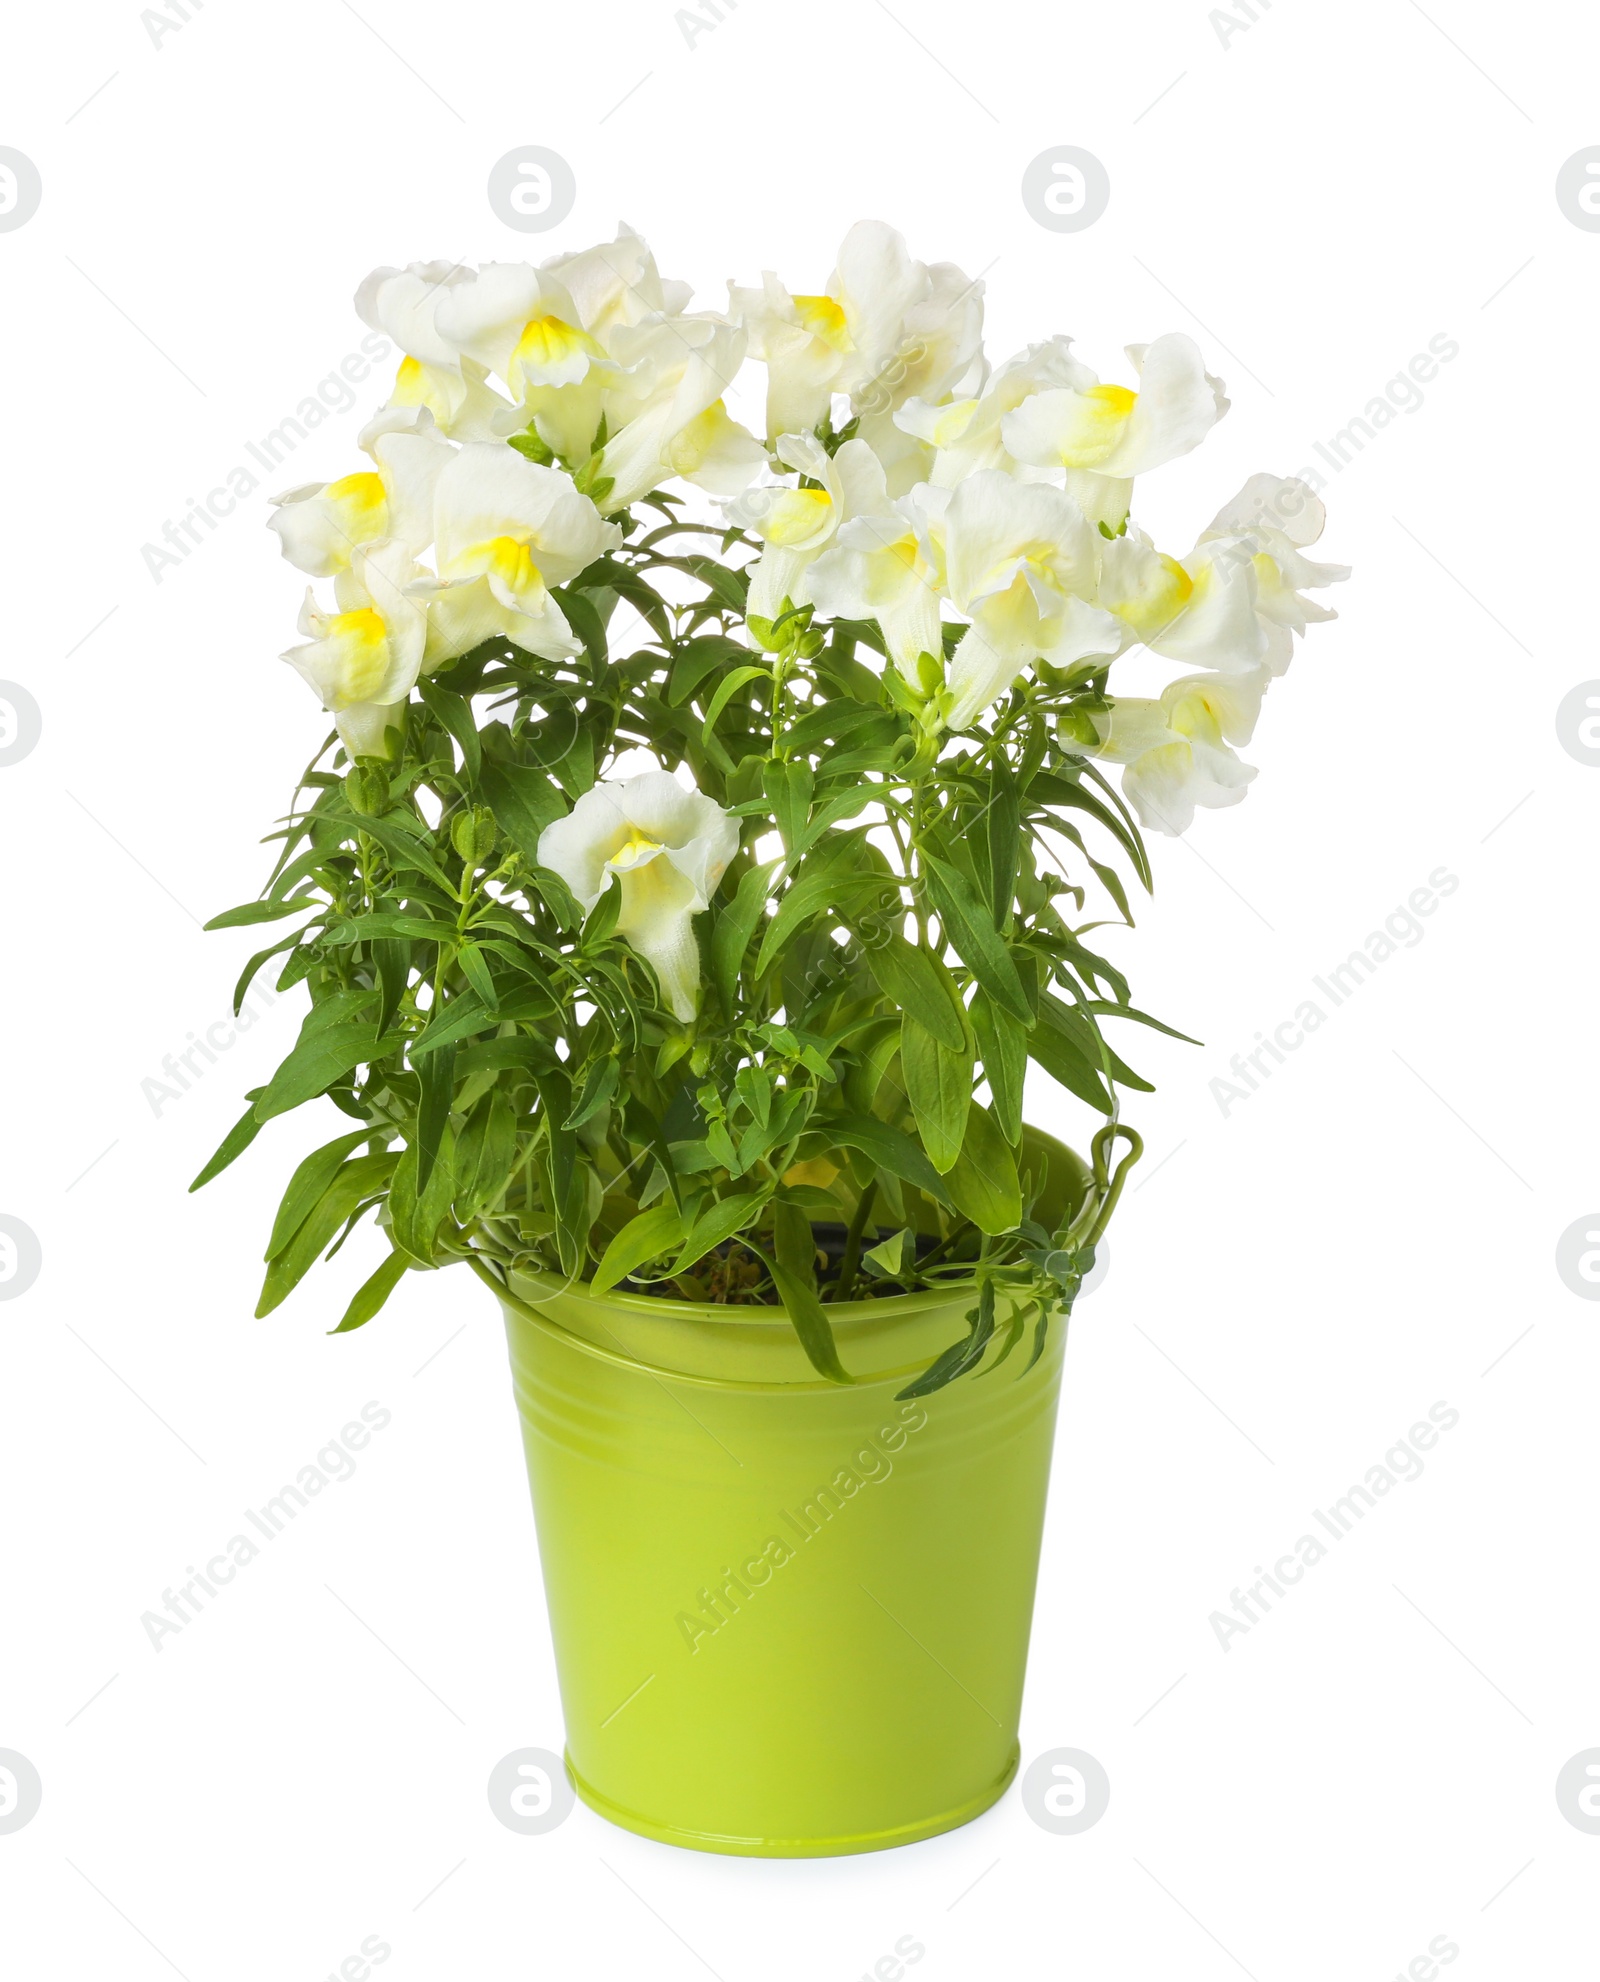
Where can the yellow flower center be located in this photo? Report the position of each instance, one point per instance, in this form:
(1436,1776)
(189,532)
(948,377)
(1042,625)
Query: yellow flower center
(364,505)
(824,318)
(1095,425)
(416,384)
(635,851)
(796,516)
(508,561)
(363,648)
(552,351)
(1164,589)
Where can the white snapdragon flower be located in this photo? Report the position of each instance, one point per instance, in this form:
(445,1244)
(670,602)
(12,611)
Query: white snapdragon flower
(666,848)
(323,524)
(505,531)
(1199,610)
(798,525)
(404,304)
(1102,436)
(964,434)
(666,416)
(1022,563)
(522,324)
(617,283)
(600,337)
(1268,523)
(887,328)
(1178,750)
(889,565)
(363,658)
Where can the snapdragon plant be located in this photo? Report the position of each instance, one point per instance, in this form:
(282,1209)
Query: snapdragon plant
(714,832)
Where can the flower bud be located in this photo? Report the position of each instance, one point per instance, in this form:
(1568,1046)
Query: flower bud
(366,785)
(472,834)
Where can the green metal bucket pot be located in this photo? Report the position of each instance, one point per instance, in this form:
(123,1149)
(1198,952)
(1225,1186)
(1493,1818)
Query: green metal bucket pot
(790,1617)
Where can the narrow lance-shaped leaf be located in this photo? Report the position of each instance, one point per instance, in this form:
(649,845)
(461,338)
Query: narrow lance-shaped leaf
(970,928)
(983,1180)
(643,1238)
(234,1143)
(438,1073)
(794,1273)
(350,1185)
(960,1356)
(1003,1049)
(939,1088)
(916,981)
(372,1293)
(311,1178)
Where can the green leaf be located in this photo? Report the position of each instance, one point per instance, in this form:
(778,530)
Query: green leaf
(1115,817)
(319,1058)
(794,1274)
(438,1072)
(308,1183)
(643,1238)
(1003,1054)
(788,786)
(960,1356)
(490,1055)
(842,805)
(598,1087)
(824,880)
(523,802)
(983,1180)
(599,925)
(895,1258)
(731,933)
(1060,1050)
(486,1155)
(404,844)
(917,982)
(939,1088)
(455,712)
(475,969)
(352,1184)
(393,962)
(1001,842)
(457,1018)
(388,923)
(371,1294)
(1101,1009)
(247,975)
(970,928)
(717,1223)
(414,1223)
(234,1143)
(585,621)
(694,659)
(726,690)
(837,719)
(564,1178)
(889,1148)
(251,912)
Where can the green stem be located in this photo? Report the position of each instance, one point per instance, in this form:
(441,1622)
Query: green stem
(852,1242)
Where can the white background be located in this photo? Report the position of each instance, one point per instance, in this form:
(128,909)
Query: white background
(1374,1230)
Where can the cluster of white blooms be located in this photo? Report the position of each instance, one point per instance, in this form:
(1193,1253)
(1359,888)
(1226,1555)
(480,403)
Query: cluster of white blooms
(994,499)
